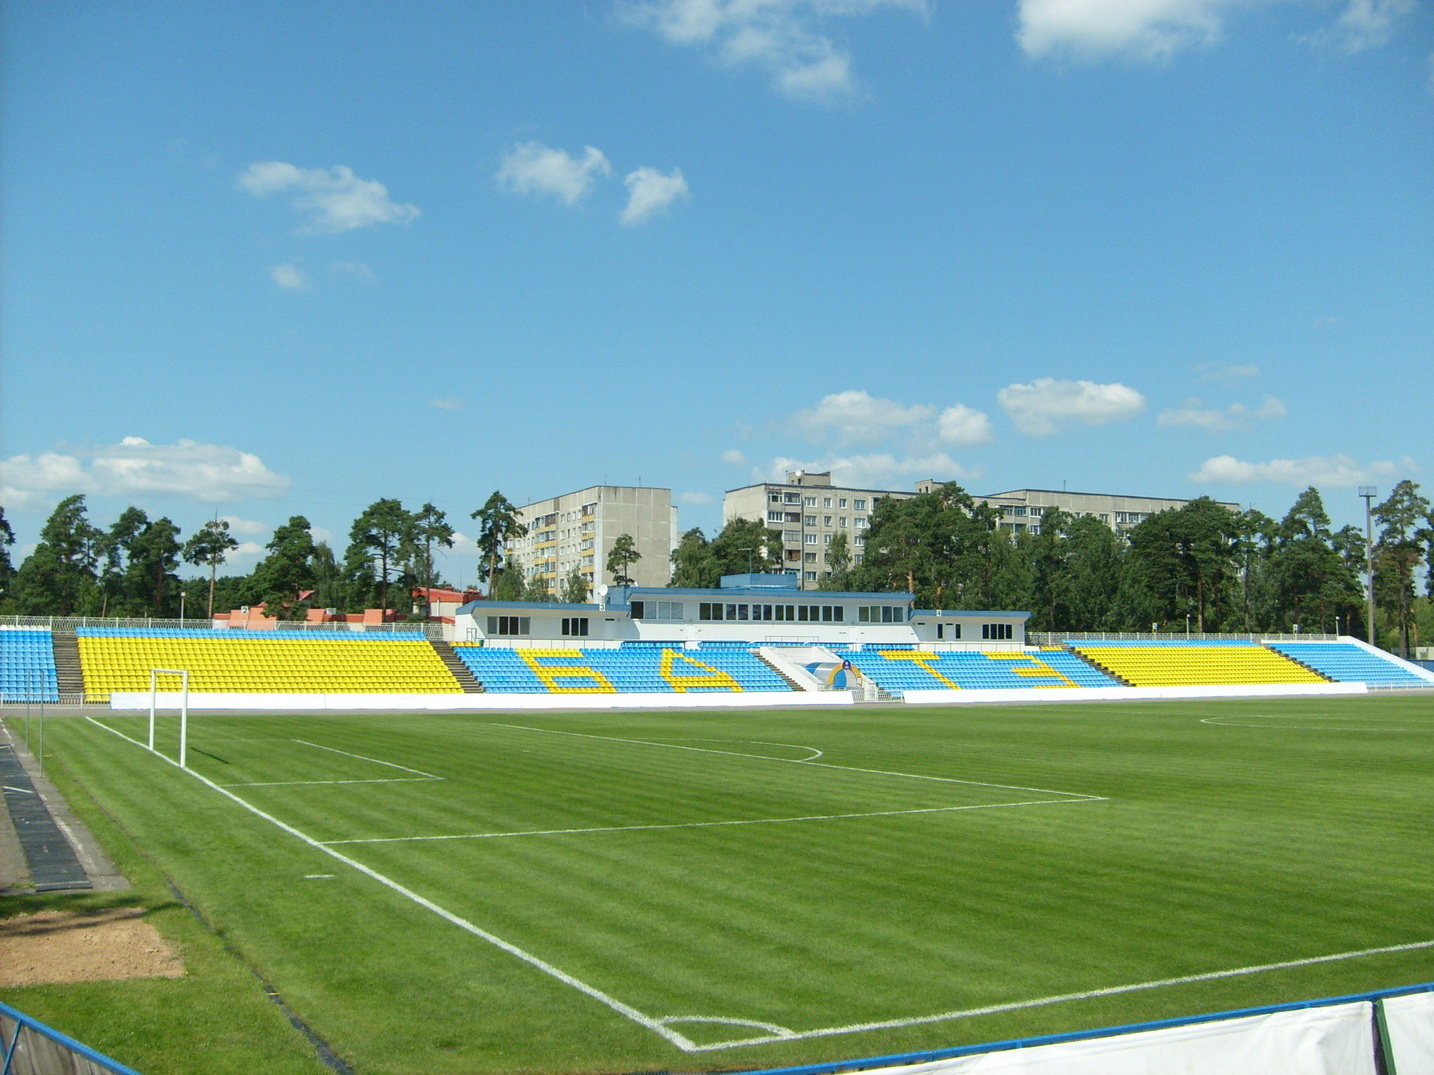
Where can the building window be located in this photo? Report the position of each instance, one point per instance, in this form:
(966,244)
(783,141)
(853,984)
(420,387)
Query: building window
(811,558)
(860,522)
(792,535)
(841,502)
(775,516)
(774,498)
(639,609)
(809,539)
(826,539)
(826,501)
(997,631)
(841,521)
(810,520)
(575,626)
(810,576)
(826,520)
(858,505)
(509,625)
(792,498)
(810,502)
(948,630)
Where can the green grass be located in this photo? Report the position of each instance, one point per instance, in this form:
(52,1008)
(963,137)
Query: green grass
(1157,841)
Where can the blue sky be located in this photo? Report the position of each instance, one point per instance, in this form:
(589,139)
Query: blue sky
(288,258)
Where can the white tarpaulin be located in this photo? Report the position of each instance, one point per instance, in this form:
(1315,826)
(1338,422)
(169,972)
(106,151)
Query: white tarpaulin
(1410,1022)
(1337,1040)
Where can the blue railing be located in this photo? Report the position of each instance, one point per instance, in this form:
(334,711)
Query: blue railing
(44,1049)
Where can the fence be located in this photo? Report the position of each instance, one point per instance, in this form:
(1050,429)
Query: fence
(29,1047)
(69,623)
(1378,1033)
(1053,638)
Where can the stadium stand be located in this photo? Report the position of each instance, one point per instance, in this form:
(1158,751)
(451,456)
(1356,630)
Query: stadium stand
(1195,662)
(27,665)
(1344,662)
(901,669)
(642,667)
(262,662)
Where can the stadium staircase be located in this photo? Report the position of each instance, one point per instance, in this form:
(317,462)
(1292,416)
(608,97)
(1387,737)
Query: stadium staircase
(1066,648)
(461,672)
(69,673)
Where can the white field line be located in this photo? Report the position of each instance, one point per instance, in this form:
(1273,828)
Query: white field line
(1074,795)
(1230,722)
(627,1011)
(361,757)
(661,1027)
(704,824)
(301,783)
(892,1024)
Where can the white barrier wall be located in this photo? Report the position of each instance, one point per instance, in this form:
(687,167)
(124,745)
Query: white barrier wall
(1126,694)
(471,702)
(1409,1021)
(1334,1040)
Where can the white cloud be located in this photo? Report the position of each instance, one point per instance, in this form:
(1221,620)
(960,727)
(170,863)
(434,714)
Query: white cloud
(1157,29)
(534,168)
(1046,405)
(290,277)
(1338,471)
(334,199)
(734,458)
(650,192)
(856,417)
(246,526)
(964,427)
(27,480)
(1364,24)
(1144,29)
(447,404)
(208,472)
(1195,414)
(695,498)
(778,36)
(881,470)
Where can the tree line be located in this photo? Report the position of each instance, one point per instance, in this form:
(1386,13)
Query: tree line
(1201,565)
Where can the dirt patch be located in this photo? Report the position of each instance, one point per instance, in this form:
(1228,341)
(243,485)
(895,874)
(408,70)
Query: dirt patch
(53,947)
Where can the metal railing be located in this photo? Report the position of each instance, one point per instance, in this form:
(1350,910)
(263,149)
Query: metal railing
(69,623)
(1051,638)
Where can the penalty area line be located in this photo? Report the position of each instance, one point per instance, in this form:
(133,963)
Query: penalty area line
(802,761)
(681,1041)
(363,757)
(712,824)
(1090,994)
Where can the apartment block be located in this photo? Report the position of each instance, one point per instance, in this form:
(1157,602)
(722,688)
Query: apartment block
(810,511)
(577,530)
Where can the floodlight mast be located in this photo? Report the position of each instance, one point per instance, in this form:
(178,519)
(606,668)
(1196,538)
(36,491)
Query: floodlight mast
(1369,492)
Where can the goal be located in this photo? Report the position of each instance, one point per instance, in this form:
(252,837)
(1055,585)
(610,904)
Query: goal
(183,673)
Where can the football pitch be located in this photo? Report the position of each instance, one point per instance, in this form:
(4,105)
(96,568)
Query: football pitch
(726,890)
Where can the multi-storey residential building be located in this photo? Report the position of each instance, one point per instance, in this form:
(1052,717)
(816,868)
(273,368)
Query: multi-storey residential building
(1023,509)
(577,530)
(810,511)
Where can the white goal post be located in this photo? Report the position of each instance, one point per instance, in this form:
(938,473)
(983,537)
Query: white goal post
(154,674)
